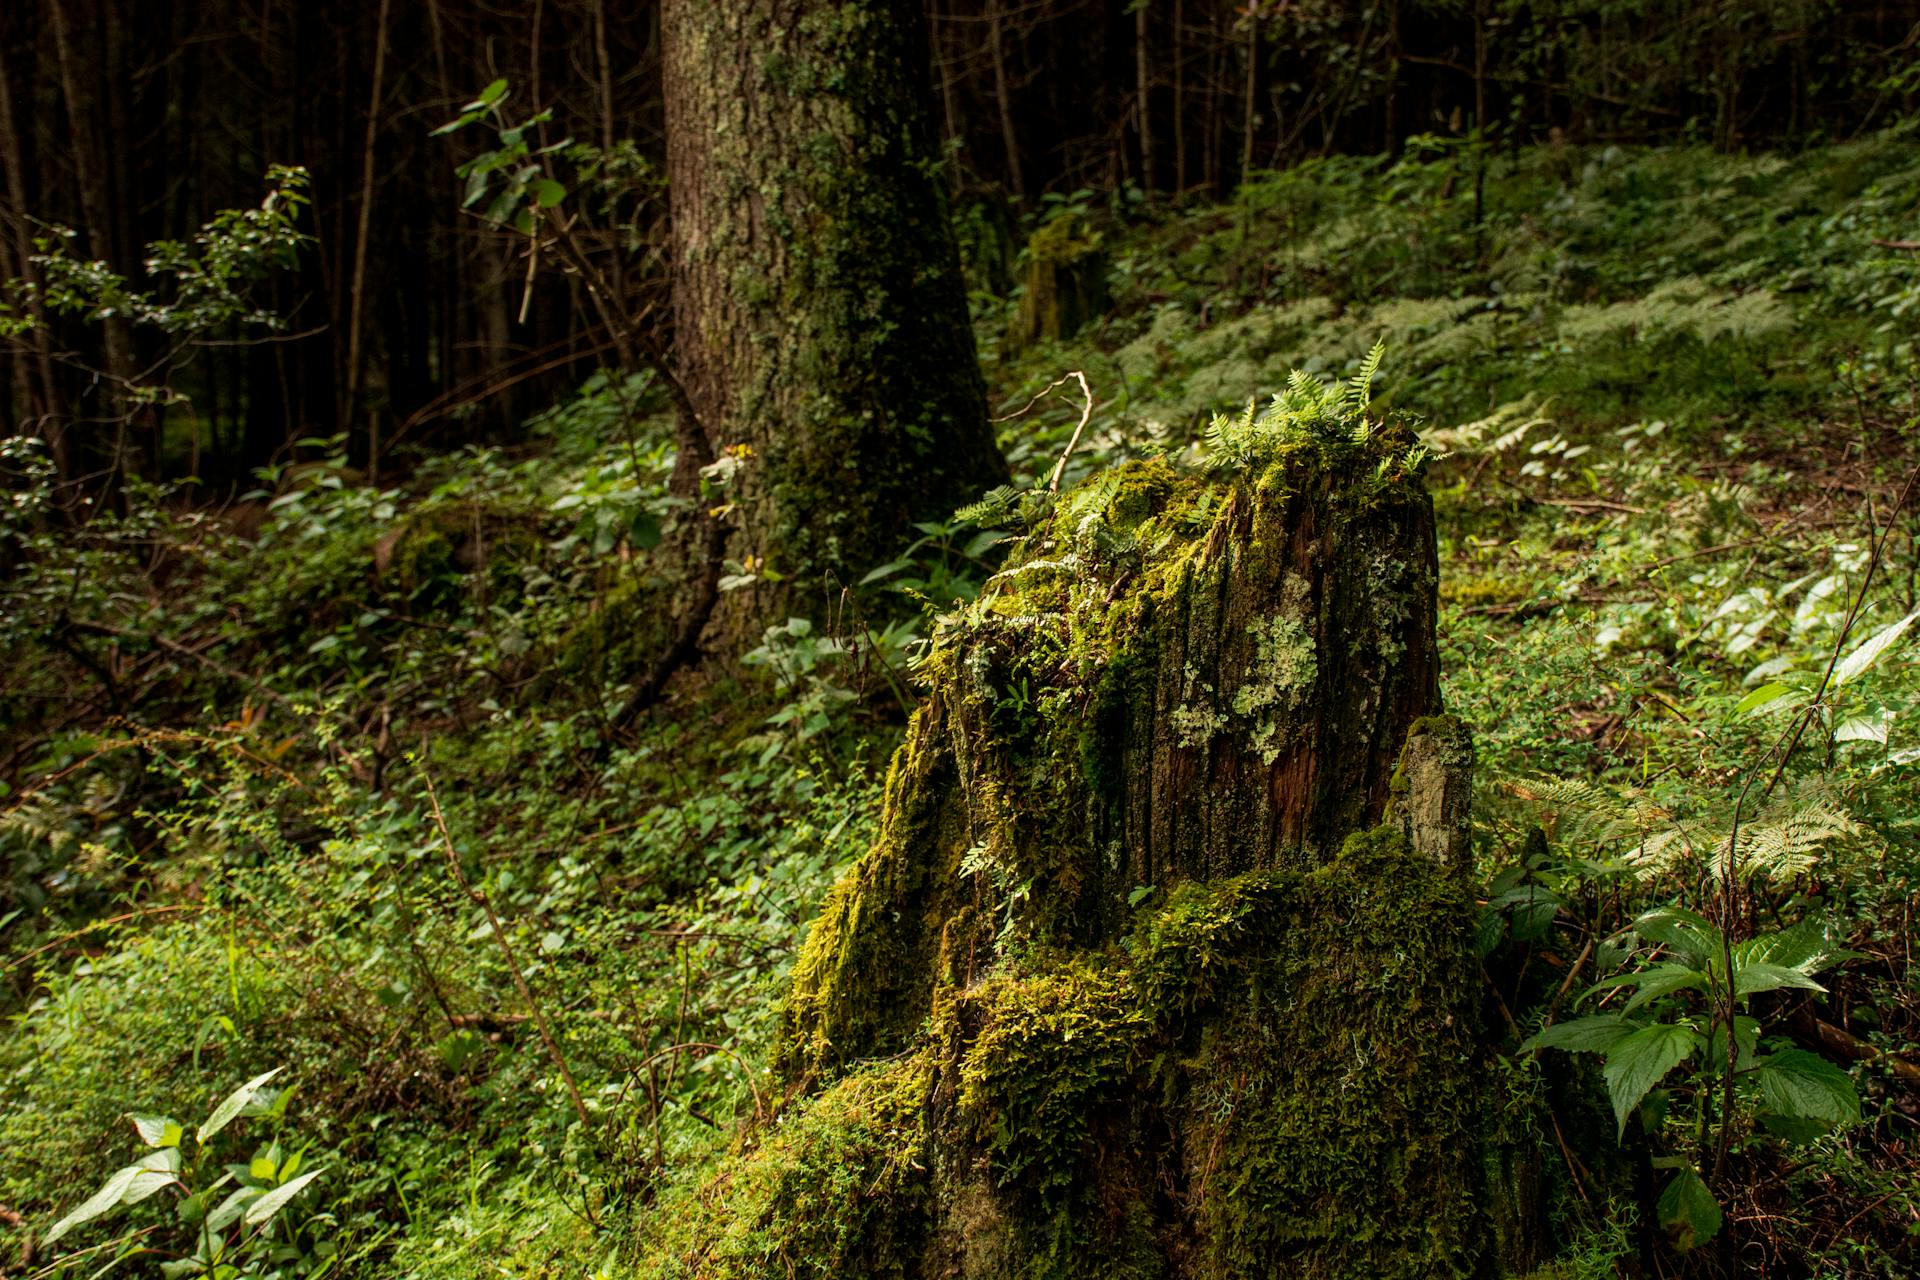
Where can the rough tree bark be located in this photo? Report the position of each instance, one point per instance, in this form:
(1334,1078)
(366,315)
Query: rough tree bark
(1163,964)
(820,319)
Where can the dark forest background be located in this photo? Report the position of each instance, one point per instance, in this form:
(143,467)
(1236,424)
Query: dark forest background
(412,322)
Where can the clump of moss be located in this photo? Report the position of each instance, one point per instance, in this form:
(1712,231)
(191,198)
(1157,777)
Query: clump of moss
(441,551)
(1271,1074)
(1064,279)
(836,1187)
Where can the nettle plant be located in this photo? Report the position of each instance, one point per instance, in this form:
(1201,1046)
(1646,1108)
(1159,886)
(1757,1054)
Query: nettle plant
(1667,1060)
(242,1219)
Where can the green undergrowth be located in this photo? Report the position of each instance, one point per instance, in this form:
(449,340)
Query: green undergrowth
(1665,398)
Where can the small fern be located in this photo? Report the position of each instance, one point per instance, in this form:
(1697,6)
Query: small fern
(1322,411)
(1784,840)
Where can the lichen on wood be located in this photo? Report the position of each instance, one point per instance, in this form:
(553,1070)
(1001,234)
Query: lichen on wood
(1180,999)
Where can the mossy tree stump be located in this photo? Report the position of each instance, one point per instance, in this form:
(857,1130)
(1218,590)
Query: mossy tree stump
(1063,278)
(1173,962)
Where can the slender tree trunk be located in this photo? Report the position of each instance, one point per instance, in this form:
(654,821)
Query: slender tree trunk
(356,306)
(1142,83)
(1179,98)
(1251,119)
(47,405)
(821,323)
(96,207)
(1003,98)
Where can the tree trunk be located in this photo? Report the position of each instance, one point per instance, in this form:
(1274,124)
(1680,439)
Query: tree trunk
(821,323)
(1161,966)
(1143,82)
(97,205)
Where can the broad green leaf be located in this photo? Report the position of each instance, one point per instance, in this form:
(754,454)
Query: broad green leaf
(1805,1086)
(488,96)
(1664,980)
(1640,1061)
(1760,697)
(275,1200)
(548,193)
(1802,946)
(1595,1034)
(158,1131)
(224,1114)
(644,531)
(165,1160)
(1690,934)
(1871,727)
(145,1183)
(1689,1211)
(230,1209)
(107,1197)
(1863,658)
(1749,979)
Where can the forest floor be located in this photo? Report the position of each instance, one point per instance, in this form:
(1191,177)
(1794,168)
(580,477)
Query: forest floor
(1672,397)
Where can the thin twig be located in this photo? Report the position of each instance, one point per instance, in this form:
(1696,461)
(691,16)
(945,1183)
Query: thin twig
(1086,414)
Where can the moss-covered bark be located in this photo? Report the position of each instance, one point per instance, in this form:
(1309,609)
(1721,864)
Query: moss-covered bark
(1182,996)
(1063,278)
(822,325)
(1182,678)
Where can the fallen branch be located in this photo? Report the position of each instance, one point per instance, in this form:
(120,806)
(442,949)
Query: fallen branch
(1837,1040)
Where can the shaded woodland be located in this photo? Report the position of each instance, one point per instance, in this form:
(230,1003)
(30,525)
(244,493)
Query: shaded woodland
(410,323)
(1062,639)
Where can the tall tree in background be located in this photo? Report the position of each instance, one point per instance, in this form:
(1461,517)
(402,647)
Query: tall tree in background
(820,318)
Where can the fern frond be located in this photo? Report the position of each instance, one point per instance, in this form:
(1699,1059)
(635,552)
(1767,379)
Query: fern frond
(993,507)
(1360,388)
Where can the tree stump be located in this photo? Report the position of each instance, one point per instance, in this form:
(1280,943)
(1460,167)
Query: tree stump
(1144,977)
(1064,279)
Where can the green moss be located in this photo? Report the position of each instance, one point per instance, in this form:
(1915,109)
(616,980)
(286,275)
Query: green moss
(1275,1069)
(835,1188)
(1278,1070)
(1064,280)
(440,551)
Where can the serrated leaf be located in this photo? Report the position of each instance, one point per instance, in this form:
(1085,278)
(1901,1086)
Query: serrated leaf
(1688,933)
(1664,980)
(1595,1034)
(275,1200)
(107,1197)
(1688,1211)
(1801,946)
(158,1131)
(1805,1086)
(1870,649)
(1638,1062)
(223,1115)
(1750,979)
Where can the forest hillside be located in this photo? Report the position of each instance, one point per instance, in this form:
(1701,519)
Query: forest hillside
(657,823)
